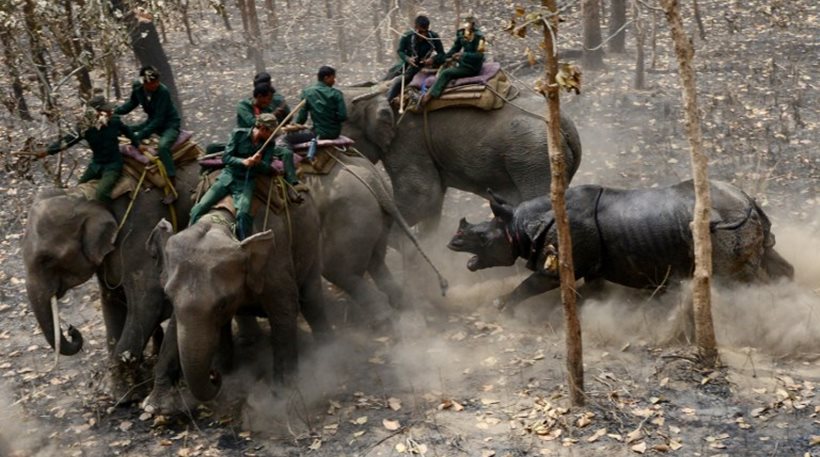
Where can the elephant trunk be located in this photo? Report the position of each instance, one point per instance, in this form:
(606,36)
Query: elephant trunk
(197,346)
(44,304)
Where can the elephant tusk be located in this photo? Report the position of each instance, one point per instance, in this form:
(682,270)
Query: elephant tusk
(57,333)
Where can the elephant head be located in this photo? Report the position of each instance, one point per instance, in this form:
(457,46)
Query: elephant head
(370,121)
(65,243)
(208,275)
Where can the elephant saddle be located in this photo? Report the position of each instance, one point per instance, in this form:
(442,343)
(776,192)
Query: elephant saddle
(270,190)
(485,91)
(135,162)
(323,161)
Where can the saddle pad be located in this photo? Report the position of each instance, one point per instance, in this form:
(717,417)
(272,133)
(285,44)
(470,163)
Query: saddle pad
(488,71)
(469,97)
(130,151)
(260,194)
(215,163)
(186,152)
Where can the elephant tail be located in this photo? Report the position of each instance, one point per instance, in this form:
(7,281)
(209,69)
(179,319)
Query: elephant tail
(385,199)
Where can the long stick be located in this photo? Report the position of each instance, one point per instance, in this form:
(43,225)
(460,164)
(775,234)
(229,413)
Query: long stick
(401,97)
(278,127)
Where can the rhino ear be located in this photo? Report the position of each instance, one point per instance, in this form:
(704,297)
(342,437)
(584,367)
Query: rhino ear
(463,224)
(501,209)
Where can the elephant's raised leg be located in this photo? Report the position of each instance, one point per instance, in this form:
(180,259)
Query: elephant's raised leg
(372,301)
(164,398)
(383,277)
(418,190)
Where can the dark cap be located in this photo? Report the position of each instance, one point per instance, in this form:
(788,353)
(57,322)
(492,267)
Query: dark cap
(149,74)
(99,103)
(267,120)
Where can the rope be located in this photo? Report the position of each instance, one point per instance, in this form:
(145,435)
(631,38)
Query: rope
(394,212)
(285,202)
(267,203)
(169,188)
(509,101)
(131,203)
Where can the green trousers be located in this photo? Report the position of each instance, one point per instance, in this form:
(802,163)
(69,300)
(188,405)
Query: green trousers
(167,138)
(242,193)
(286,156)
(108,177)
(448,75)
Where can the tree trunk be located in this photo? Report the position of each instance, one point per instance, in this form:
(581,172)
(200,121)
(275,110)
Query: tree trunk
(701,281)
(457,7)
(639,42)
(38,55)
(699,20)
(243,13)
(20,107)
(617,31)
(223,13)
(378,37)
(183,5)
(341,41)
(593,54)
(74,49)
(558,185)
(148,49)
(654,63)
(270,6)
(255,45)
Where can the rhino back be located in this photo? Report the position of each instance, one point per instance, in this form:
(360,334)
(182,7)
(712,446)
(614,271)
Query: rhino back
(645,235)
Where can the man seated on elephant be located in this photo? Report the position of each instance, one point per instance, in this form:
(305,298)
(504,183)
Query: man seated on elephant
(244,159)
(467,52)
(249,108)
(163,118)
(278,105)
(326,106)
(101,129)
(415,52)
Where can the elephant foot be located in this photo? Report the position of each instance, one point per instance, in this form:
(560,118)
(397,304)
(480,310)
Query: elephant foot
(127,382)
(163,400)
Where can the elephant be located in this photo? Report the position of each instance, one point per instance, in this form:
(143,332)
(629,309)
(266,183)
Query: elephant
(639,238)
(464,148)
(68,239)
(211,277)
(356,207)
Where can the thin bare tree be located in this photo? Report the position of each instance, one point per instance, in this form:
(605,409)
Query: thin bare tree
(640,34)
(593,55)
(617,26)
(701,281)
(558,185)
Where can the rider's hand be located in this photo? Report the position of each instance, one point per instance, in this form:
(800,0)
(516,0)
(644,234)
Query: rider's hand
(428,62)
(143,148)
(41,154)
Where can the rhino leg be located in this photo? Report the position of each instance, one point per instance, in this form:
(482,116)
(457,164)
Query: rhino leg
(536,284)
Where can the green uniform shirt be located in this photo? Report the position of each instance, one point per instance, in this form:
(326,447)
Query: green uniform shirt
(326,106)
(246,111)
(162,114)
(471,58)
(104,142)
(413,45)
(241,146)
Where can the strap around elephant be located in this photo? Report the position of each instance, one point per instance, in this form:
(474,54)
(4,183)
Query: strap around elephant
(428,140)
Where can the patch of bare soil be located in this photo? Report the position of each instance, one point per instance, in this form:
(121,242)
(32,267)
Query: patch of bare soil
(454,377)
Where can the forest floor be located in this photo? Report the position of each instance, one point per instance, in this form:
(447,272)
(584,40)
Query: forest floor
(456,378)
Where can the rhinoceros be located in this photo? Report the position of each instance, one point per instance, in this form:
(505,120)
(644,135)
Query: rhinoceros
(637,238)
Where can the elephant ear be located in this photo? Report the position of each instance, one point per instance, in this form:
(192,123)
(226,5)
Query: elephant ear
(155,244)
(379,123)
(257,248)
(501,209)
(99,232)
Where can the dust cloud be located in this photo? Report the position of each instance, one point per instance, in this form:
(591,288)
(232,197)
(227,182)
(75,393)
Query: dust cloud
(20,435)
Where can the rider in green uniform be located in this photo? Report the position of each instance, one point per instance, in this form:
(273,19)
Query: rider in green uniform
(468,51)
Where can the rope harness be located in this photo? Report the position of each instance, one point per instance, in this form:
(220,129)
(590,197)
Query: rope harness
(169,189)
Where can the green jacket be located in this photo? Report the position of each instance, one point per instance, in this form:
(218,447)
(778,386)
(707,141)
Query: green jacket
(470,56)
(162,114)
(246,112)
(326,106)
(413,45)
(104,143)
(241,146)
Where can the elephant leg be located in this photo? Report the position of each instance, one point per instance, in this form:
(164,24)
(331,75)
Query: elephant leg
(141,321)
(535,284)
(114,311)
(419,190)
(371,301)
(383,277)
(163,398)
(282,309)
(248,329)
(312,305)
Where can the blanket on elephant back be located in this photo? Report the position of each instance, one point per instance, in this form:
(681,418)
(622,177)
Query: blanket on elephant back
(322,163)
(479,93)
(264,188)
(184,151)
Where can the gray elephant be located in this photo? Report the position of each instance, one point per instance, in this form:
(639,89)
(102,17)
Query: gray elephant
(210,278)
(468,149)
(357,209)
(637,238)
(69,239)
